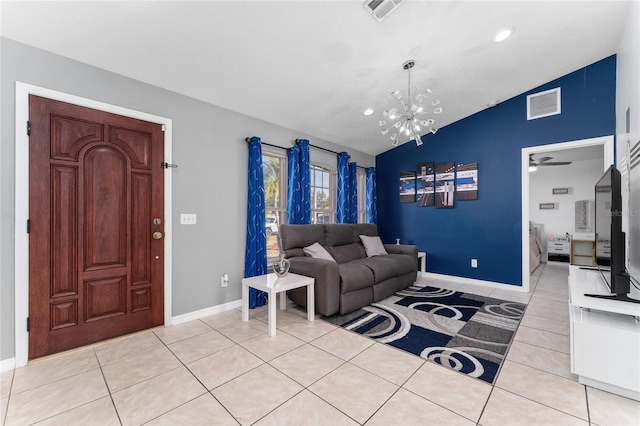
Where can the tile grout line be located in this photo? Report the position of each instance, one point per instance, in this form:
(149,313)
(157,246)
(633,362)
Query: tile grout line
(586,396)
(207,391)
(343,362)
(548,406)
(113,403)
(549,372)
(264,362)
(82,405)
(484,406)
(13,375)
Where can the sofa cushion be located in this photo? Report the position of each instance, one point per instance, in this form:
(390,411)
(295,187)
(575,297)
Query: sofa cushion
(354,277)
(338,234)
(295,237)
(316,251)
(368,229)
(347,252)
(404,263)
(388,287)
(382,267)
(373,246)
(354,300)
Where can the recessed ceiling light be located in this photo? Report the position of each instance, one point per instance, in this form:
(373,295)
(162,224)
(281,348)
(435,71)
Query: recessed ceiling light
(503,35)
(368,111)
(492,103)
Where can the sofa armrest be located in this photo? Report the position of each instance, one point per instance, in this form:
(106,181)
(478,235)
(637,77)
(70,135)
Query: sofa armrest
(408,249)
(327,283)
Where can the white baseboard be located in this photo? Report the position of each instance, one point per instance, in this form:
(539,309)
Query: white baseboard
(7,364)
(179,319)
(472,281)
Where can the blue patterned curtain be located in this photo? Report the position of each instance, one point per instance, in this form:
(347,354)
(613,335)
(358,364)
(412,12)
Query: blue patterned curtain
(342,191)
(255,257)
(372,199)
(298,184)
(353,193)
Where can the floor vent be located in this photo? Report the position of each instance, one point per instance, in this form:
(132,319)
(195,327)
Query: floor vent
(379,9)
(543,104)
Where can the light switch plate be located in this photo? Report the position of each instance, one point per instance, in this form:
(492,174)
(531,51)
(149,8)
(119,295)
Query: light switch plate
(187,218)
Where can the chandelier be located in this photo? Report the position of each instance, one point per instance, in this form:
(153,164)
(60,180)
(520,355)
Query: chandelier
(409,117)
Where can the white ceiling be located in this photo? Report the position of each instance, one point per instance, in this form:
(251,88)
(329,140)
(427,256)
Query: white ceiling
(314,66)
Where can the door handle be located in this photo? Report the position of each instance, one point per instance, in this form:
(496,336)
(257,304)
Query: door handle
(157,235)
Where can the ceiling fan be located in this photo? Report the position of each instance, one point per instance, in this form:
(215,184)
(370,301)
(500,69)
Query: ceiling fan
(544,161)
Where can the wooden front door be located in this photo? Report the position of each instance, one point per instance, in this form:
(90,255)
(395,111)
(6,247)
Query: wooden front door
(96,199)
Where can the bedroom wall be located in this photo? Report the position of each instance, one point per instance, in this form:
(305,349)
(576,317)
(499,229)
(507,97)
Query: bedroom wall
(580,177)
(489,229)
(210,181)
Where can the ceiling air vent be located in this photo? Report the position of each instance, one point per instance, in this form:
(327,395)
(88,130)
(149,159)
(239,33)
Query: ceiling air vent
(543,104)
(381,8)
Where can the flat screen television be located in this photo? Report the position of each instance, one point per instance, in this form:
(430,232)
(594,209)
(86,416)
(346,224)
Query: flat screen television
(608,227)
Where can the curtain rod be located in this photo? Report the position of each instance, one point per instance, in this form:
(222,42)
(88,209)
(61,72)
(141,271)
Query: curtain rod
(248,140)
(298,141)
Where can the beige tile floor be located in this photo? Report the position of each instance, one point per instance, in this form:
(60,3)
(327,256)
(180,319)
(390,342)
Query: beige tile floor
(219,370)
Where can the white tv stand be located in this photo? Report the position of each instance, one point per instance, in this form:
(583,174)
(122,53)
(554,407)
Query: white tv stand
(605,336)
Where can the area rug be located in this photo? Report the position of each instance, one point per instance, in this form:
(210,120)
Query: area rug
(464,332)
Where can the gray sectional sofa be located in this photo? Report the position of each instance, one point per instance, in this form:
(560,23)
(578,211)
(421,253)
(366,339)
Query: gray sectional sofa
(350,280)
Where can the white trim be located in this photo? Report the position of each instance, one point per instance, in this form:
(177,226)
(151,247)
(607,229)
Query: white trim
(22,203)
(463,280)
(179,319)
(608,387)
(7,365)
(608,144)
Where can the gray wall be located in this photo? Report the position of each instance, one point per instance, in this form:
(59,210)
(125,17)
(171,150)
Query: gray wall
(210,181)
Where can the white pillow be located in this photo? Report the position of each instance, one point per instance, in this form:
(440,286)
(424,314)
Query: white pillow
(316,251)
(373,246)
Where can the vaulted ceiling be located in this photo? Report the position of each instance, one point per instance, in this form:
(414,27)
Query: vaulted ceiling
(315,66)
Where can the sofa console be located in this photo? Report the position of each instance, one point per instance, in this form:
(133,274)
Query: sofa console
(347,275)
(605,336)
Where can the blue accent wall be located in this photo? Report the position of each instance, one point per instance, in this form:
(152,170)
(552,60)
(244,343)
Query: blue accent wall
(490,228)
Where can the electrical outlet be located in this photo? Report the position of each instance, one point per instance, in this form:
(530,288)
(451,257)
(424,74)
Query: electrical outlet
(187,219)
(474,263)
(224,280)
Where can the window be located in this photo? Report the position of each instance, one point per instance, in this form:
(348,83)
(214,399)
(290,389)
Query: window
(274,169)
(323,197)
(323,194)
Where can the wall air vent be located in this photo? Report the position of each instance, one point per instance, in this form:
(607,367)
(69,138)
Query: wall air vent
(543,104)
(634,156)
(379,9)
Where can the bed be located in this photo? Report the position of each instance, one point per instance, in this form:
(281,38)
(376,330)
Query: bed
(537,246)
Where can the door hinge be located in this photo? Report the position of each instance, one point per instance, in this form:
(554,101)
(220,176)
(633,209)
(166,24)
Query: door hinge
(167,165)
(164,128)
(28,128)
(28,324)
(28,226)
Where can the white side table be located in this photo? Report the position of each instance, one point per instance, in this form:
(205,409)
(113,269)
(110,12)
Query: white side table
(422,257)
(272,285)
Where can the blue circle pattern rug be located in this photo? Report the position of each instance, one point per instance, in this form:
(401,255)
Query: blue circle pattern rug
(461,331)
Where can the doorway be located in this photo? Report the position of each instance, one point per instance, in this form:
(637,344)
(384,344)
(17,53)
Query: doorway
(607,142)
(22,267)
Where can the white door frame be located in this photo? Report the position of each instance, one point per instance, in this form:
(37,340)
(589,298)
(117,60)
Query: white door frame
(22,203)
(608,144)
